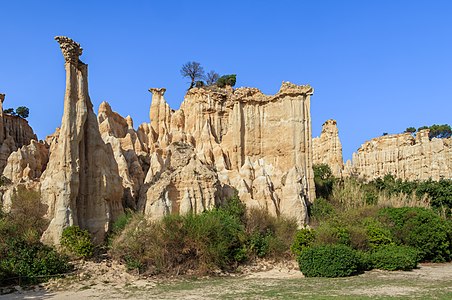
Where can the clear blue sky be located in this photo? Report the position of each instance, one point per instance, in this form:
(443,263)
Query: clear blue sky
(376,66)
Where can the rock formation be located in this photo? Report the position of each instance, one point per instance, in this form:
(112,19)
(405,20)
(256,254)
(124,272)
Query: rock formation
(220,142)
(229,140)
(81,184)
(27,163)
(127,148)
(14,133)
(404,156)
(327,148)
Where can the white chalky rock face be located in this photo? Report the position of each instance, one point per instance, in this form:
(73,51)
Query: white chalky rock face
(239,141)
(81,184)
(404,156)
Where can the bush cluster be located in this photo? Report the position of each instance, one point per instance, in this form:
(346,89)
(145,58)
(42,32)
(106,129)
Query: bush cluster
(226,80)
(392,257)
(77,242)
(383,238)
(23,258)
(219,239)
(422,229)
(328,261)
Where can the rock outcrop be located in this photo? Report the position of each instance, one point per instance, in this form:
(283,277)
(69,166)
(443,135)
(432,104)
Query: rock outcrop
(327,148)
(128,151)
(14,133)
(234,141)
(27,163)
(221,142)
(404,156)
(81,184)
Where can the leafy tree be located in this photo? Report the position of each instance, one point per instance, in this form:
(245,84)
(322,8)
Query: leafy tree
(410,130)
(22,112)
(9,111)
(192,70)
(227,80)
(323,179)
(440,131)
(422,128)
(211,77)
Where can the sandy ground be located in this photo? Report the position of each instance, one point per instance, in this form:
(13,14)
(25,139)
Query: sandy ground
(263,281)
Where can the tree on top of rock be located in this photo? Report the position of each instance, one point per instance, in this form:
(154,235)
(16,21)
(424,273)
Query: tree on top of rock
(211,77)
(192,70)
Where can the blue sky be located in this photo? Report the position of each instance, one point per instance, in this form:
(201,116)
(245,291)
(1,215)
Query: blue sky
(376,66)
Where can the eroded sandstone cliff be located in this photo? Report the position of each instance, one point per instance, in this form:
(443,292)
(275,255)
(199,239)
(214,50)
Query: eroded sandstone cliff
(221,142)
(403,155)
(327,148)
(256,145)
(14,133)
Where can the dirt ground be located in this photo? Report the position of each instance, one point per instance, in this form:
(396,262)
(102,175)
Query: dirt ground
(261,281)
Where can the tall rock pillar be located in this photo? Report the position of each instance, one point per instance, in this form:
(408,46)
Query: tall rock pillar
(81,184)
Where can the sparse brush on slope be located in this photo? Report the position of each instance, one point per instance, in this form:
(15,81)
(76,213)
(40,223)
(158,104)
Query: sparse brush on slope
(219,239)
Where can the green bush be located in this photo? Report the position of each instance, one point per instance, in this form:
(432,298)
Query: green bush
(378,234)
(422,229)
(329,261)
(226,80)
(393,257)
(302,241)
(23,258)
(77,242)
(201,243)
(365,262)
(32,263)
(268,235)
(321,208)
(323,180)
(331,233)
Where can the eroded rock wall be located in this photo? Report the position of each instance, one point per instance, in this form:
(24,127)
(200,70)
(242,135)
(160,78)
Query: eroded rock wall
(327,148)
(257,145)
(15,132)
(404,156)
(81,184)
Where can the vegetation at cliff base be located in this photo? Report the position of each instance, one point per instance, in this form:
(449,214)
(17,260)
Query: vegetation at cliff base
(387,224)
(215,240)
(23,258)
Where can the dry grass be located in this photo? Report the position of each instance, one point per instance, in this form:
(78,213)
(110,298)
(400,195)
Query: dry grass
(353,194)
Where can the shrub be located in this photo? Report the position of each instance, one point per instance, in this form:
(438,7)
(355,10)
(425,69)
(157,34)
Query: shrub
(331,232)
(393,257)
(32,263)
(323,180)
(329,261)
(365,262)
(176,244)
(302,241)
(77,242)
(422,229)
(23,259)
(321,209)
(378,234)
(27,213)
(235,208)
(226,80)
